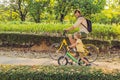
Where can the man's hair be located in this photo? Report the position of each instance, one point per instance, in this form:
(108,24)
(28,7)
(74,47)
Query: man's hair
(77,11)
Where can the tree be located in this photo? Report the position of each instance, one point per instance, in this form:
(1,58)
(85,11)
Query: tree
(37,7)
(21,7)
(114,6)
(62,8)
(87,7)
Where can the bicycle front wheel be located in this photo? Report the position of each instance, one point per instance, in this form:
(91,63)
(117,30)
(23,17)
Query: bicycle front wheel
(62,60)
(54,53)
(93,52)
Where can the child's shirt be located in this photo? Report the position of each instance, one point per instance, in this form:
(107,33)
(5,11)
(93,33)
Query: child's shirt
(80,46)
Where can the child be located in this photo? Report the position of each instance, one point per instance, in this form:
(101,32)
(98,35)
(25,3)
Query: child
(80,48)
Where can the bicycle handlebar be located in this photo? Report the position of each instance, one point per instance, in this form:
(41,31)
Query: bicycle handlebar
(64,33)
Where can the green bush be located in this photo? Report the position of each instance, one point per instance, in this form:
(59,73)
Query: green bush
(106,32)
(97,42)
(54,73)
(100,31)
(31,39)
(28,40)
(115,43)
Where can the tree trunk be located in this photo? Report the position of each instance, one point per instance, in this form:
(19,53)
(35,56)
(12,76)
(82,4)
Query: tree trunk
(11,15)
(22,17)
(61,18)
(37,20)
(21,12)
(37,16)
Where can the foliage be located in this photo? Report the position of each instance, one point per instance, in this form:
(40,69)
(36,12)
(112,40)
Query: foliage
(37,8)
(90,7)
(100,31)
(58,8)
(62,8)
(54,73)
(20,7)
(106,31)
(111,14)
(28,40)
(108,16)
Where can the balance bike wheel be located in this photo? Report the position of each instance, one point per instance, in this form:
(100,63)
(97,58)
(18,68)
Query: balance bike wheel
(62,60)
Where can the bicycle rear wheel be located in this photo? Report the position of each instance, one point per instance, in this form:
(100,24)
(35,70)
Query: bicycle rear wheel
(93,52)
(54,53)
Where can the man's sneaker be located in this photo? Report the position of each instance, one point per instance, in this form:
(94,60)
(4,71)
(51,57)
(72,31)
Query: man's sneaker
(71,63)
(88,65)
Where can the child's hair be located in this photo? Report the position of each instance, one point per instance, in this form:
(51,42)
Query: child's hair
(79,36)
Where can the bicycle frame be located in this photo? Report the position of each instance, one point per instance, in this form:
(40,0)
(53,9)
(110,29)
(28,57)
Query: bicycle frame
(71,57)
(64,42)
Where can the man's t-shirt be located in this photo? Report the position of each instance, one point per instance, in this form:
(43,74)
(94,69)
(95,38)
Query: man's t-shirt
(81,27)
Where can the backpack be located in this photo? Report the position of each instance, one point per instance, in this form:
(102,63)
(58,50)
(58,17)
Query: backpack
(89,25)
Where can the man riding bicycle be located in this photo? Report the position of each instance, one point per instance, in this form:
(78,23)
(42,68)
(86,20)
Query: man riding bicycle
(74,39)
(79,23)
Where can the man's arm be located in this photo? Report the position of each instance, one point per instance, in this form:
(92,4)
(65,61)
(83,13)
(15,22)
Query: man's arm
(71,28)
(77,24)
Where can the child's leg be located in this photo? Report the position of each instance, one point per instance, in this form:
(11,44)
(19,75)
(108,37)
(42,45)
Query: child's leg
(74,55)
(85,60)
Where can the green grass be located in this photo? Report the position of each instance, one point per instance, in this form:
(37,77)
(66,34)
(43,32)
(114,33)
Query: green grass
(106,31)
(30,27)
(99,30)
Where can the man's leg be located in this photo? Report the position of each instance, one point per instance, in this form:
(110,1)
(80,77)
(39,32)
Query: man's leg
(71,39)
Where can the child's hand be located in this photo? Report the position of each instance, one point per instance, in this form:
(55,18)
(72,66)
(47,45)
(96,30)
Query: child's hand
(69,46)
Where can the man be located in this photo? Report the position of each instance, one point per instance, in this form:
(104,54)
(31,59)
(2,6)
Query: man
(81,23)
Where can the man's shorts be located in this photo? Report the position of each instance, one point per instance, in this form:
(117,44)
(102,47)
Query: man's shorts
(82,34)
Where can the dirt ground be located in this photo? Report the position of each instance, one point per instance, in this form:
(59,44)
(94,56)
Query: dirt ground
(8,56)
(36,55)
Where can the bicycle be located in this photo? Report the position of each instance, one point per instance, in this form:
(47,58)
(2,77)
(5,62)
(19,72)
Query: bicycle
(57,50)
(64,60)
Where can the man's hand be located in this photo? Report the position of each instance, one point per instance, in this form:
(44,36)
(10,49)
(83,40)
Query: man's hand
(65,31)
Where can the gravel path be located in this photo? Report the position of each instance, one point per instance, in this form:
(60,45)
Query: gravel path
(35,58)
(26,61)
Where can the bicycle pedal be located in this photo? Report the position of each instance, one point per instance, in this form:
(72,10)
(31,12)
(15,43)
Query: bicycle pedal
(89,54)
(70,63)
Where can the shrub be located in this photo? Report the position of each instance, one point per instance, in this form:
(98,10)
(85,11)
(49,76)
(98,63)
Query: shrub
(100,31)
(54,73)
